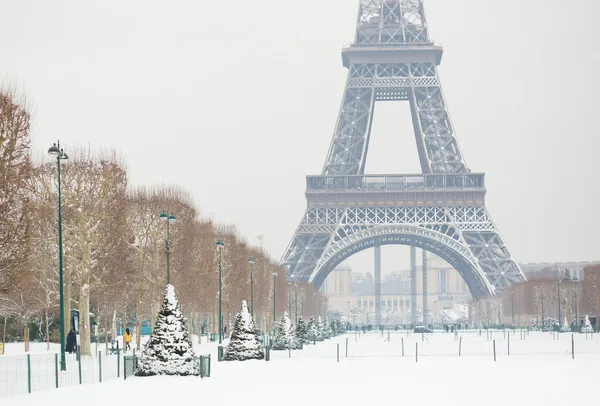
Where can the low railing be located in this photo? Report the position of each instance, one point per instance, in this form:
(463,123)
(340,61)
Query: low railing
(395,182)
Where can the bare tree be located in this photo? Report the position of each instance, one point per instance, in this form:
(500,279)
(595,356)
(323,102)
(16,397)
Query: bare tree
(93,188)
(15,170)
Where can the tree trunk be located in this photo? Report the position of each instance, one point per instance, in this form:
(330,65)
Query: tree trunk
(140,311)
(4,334)
(47,330)
(67,300)
(84,307)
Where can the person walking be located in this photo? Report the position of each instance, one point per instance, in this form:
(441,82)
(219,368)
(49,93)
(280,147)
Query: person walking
(128,337)
(71,342)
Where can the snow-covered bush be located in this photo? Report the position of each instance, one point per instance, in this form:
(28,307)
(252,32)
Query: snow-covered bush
(243,344)
(285,335)
(169,350)
(302,333)
(587,326)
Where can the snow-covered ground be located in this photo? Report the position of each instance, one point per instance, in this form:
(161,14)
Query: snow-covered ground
(540,370)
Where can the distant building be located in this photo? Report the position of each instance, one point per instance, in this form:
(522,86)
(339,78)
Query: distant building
(553,270)
(352,294)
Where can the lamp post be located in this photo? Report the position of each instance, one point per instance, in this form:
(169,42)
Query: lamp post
(314,303)
(296,301)
(169,218)
(348,311)
(558,296)
(220,245)
(512,300)
(251,260)
(57,151)
(434,312)
(274,298)
(302,302)
(289,298)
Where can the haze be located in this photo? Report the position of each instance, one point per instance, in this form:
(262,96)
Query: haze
(236,101)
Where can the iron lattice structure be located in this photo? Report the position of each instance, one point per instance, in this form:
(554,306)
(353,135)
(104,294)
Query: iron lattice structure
(441,210)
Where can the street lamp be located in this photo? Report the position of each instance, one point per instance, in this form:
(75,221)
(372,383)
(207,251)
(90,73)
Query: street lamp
(296,300)
(57,151)
(348,311)
(314,303)
(290,298)
(512,300)
(220,245)
(169,218)
(251,260)
(274,298)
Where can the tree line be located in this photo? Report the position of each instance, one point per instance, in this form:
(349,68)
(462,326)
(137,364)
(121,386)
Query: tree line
(114,243)
(539,301)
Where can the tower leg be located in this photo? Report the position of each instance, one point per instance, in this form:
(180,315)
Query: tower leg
(378,285)
(413,286)
(425,290)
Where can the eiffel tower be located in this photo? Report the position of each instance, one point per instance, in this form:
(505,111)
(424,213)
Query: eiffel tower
(441,210)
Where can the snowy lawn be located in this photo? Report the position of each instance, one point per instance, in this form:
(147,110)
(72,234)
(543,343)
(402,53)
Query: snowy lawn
(538,371)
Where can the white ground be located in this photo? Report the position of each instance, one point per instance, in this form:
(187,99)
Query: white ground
(539,370)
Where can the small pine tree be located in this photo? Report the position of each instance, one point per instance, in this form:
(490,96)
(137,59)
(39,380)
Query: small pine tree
(565,328)
(302,333)
(321,329)
(169,350)
(243,344)
(327,329)
(587,326)
(285,335)
(313,332)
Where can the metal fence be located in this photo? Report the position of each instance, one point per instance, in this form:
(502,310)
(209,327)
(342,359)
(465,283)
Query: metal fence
(22,374)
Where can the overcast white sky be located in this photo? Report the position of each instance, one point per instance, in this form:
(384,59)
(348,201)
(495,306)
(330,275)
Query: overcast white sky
(237,100)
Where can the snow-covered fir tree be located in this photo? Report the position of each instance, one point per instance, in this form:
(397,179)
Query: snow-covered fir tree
(327,329)
(320,328)
(565,328)
(285,335)
(313,330)
(169,350)
(243,344)
(302,334)
(587,326)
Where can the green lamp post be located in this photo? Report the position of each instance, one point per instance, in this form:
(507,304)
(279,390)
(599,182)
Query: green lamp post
(169,218)
(220,245)
(57,151)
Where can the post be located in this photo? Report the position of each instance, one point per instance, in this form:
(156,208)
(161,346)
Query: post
(100,366)
(573,346)
(402,346)
(29,373)
(251,260)
(56,369)
(220,248)
(118,363)
(416,352)
(274,298)
(460,347)
(558,298)
(61,283)
(338,352)
(509,344)
(79,366)
(346,347)
(168,249)
(494,350)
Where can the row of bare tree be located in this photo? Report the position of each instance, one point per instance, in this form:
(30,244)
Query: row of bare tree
(536,300)
(114,242)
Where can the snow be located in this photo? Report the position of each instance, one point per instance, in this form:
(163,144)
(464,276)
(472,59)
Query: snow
(169,350)
(374,372)
(243,344)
